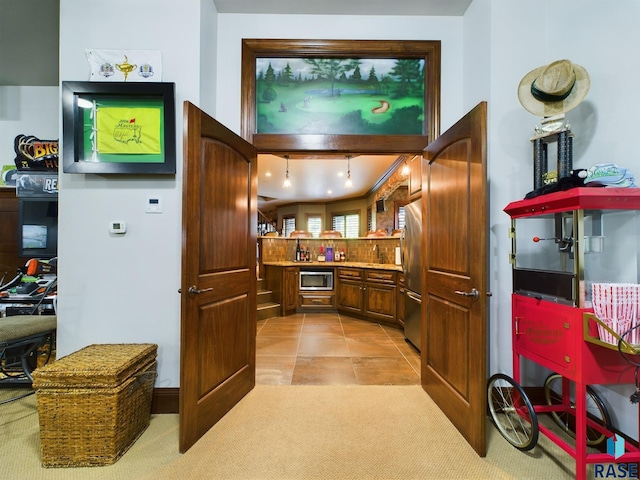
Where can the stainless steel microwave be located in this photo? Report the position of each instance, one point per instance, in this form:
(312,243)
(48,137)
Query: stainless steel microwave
(316,279)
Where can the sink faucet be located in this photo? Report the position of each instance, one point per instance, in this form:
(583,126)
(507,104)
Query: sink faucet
(376,248)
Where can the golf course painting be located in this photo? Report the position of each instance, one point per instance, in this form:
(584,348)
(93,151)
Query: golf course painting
(343,96)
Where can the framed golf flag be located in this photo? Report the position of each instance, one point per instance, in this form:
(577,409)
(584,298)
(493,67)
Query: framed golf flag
(118,128)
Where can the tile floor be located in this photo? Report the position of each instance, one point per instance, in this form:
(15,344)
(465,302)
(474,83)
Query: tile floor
(333,349)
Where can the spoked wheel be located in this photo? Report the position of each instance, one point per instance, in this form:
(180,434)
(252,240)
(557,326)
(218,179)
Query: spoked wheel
(512,412)
(595,408)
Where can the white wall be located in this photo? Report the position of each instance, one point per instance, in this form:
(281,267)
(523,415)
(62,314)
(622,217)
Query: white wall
(125,289)
(116,289)
(233,28)
(26,111)
(599,35)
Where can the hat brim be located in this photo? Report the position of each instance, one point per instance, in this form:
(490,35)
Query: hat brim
(548,109)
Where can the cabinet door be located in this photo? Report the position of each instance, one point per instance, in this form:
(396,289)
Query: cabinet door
(350,296)
(290,289)
(380,301)
(415,176)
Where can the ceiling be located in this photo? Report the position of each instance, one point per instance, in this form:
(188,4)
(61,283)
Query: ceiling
(29,45)
(346,7)
(318,178)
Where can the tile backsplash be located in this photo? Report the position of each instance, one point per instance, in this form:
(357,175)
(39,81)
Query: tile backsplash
(366,250)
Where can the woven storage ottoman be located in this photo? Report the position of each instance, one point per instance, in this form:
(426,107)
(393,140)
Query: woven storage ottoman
(93,404)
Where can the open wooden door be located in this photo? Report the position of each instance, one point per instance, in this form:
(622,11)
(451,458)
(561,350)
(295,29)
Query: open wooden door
(455,277)
(218,286)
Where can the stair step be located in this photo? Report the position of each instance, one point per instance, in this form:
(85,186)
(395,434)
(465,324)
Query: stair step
(268,310)
(264,296)
(265,305)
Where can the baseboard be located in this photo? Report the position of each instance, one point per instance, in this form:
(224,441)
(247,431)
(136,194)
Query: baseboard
(165,400)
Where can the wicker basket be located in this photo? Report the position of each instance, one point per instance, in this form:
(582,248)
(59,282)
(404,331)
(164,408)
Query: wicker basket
(93,404)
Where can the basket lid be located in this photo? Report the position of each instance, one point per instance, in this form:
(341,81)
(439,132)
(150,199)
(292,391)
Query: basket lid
(104,365)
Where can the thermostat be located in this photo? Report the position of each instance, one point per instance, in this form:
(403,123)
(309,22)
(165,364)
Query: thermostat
(154,205)
(117,227)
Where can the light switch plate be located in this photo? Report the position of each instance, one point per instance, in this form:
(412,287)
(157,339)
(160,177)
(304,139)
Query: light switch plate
(154,205)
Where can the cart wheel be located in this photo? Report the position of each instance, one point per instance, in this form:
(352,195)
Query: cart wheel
(596,409)
(512,412)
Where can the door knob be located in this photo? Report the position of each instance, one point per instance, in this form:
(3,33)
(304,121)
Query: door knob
(473,293)
(193,290)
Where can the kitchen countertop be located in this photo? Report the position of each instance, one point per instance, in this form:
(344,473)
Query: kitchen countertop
(376,266)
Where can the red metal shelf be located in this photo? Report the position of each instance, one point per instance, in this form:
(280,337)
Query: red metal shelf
(590,198)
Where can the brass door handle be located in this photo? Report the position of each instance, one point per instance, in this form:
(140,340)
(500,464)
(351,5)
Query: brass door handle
(473,293)
(193,290)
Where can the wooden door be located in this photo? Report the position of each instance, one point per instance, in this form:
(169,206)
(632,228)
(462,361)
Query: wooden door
(218,285)
(455,279)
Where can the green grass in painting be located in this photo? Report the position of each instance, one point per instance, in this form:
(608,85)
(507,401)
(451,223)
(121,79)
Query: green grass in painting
(309,108)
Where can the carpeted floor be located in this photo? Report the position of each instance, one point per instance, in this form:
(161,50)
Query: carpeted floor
(299,432)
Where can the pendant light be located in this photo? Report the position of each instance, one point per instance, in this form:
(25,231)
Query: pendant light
(348,183)
(287,182)
(405,169)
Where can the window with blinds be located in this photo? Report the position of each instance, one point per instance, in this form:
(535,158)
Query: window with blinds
(288,225)
(347,224)
(314,225)
(400,223)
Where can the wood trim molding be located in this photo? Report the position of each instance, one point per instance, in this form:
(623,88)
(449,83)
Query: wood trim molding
(429,50)
(165,400)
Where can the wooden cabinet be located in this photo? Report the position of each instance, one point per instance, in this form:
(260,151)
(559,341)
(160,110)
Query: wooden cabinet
(290,289)
(283,283)
(415,177)
(369,293)
(309,301)
(350,297)
(380,295)
(9,260)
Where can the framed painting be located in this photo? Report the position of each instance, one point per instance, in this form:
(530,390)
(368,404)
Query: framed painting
(118,128)
(348,96)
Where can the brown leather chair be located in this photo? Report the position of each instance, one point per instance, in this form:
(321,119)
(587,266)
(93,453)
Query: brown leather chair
(300,234)
(331,234)
(376,234)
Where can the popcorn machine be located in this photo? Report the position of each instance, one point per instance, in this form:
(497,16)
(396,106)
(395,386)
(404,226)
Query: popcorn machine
(576,272)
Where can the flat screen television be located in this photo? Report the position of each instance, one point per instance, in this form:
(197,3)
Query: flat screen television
(38,228)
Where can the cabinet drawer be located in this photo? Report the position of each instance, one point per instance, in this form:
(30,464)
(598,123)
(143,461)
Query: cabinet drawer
(380,276)
(546,333)
(350,273)
(316,300)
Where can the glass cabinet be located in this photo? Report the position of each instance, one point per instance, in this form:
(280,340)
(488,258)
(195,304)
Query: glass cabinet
(564,242)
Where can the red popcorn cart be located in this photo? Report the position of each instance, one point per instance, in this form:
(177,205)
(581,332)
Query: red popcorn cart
(575,311)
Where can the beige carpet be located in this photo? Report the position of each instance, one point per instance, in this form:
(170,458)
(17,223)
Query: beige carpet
(300,432)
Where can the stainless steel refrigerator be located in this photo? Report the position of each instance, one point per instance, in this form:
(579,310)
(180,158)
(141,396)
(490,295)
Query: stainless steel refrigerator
(410,243)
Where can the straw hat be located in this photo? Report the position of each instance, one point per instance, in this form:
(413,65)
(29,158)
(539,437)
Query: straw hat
(553,89)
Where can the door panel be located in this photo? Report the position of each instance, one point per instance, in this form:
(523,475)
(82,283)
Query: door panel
(218,288)
(454,252)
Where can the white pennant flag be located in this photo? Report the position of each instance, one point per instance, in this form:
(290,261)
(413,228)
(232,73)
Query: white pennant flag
(124,65)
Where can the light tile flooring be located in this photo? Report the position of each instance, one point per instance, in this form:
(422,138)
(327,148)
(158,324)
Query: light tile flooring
(333,349)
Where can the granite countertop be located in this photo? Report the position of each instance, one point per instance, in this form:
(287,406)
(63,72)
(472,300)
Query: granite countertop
(376,266)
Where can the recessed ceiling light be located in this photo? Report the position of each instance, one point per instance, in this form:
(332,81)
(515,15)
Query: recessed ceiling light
(268,174)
